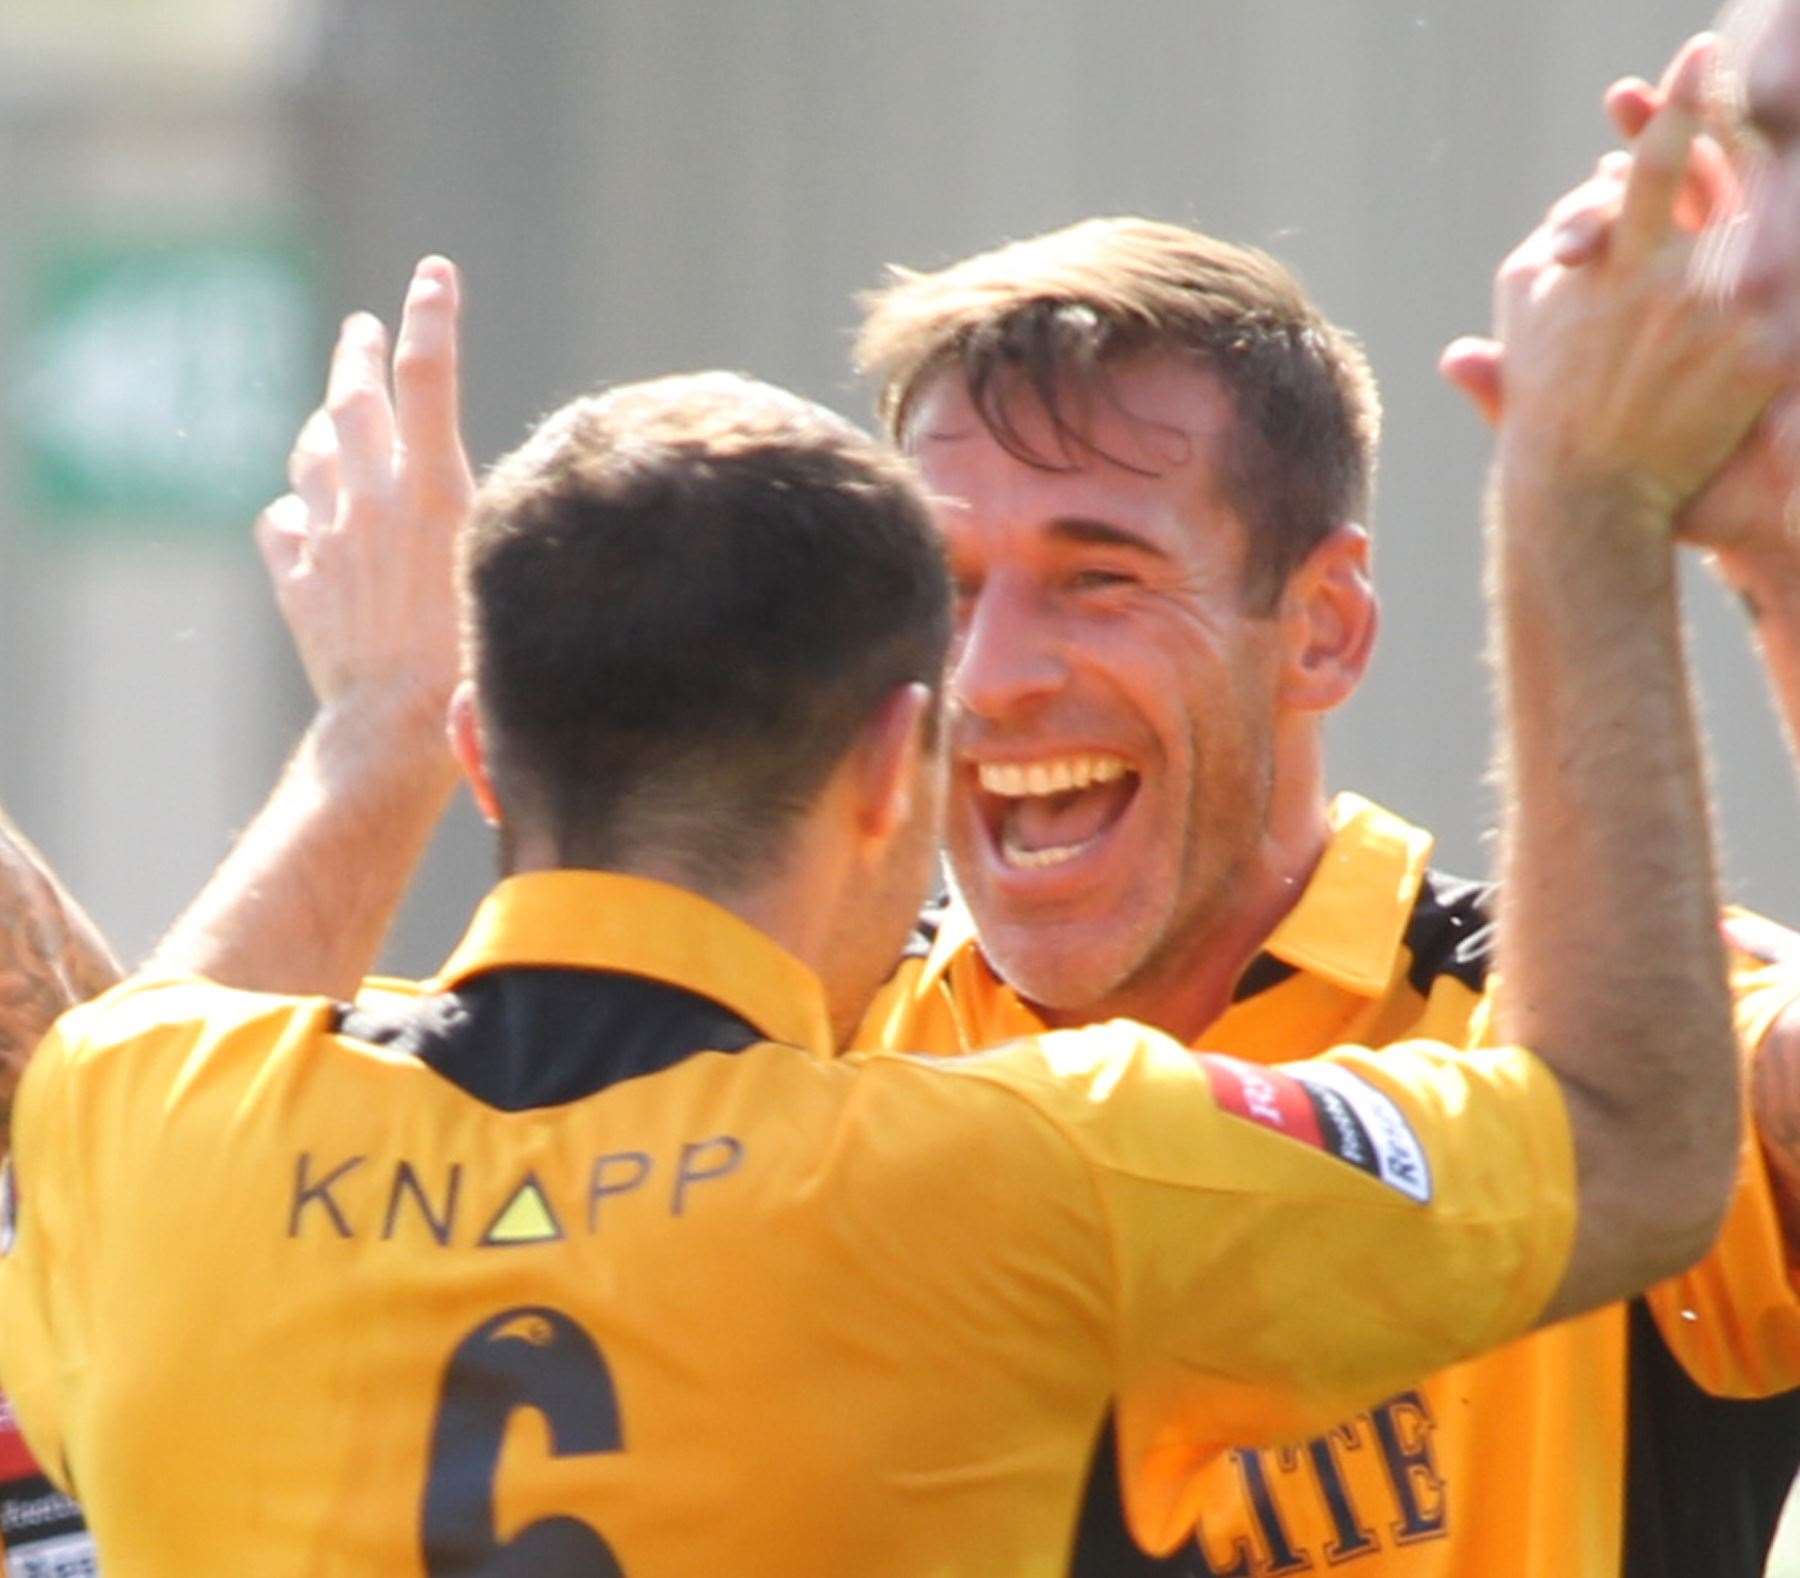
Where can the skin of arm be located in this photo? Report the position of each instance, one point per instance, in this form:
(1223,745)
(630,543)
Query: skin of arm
(51,955)
(360,555)
(1625,390)
(1743,518)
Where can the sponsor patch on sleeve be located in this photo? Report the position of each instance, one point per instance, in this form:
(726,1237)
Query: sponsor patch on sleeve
(1331,1109)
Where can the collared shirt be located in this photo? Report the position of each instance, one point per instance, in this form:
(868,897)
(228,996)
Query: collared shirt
(588,1249)
(1634,1440)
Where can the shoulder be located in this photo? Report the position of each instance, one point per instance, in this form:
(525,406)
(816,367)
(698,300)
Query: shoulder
(165,1030)
(165,1006)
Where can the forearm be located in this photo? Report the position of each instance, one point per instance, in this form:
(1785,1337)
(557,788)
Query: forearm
(1613,966)
(303,901)
(51,955)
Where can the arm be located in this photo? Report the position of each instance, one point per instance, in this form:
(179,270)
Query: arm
(1625,390)
(51,955)
(1744,518)
(360,555)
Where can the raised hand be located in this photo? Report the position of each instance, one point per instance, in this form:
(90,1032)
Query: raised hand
(1746,510)
(361,555)
(361,552)
(1628,364)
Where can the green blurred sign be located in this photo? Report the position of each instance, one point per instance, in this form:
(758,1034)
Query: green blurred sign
(161,378)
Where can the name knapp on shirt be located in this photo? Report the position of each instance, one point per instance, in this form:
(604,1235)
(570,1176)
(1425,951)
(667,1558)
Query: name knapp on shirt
(363,1196)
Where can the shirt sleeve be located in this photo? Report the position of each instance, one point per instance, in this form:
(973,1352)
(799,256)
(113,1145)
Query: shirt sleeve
(1290,1243)
(1733,1319)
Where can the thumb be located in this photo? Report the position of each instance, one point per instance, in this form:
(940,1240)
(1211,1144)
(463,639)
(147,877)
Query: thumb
(1473,365)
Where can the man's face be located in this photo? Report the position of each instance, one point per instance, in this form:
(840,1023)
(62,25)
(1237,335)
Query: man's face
(1113,698)
(1769,266)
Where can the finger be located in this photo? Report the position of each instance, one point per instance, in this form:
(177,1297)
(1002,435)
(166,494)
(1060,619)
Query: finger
(1660,157)
(425,371)
(356,398)
(1473,365)
(312,467)
(1581,238)
(1711,186)
(1711,189)
(282,537)
(1630,102)
(1580,222)
(1602,191)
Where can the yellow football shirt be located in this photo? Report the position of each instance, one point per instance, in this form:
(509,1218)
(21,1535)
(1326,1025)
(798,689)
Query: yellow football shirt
(1656,1440)
(587,1256)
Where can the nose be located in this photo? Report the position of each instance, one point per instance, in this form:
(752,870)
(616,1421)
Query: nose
(1008,653)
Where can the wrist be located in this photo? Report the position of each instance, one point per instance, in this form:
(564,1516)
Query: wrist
(1580,540)
(1541,479)
(394,730)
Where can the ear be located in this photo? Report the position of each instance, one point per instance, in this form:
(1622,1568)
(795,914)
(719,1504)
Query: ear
(463,726)
(884,763)
(1328,617)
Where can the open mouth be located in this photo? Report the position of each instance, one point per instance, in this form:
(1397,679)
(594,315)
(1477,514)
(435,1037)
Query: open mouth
(1046,813)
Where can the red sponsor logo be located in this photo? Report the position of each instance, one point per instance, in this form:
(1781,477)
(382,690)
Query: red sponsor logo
(16,1461)
(1263,1095)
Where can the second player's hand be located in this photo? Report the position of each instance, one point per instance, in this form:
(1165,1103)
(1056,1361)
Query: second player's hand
(1627,369)
(361,552)
(1745,514)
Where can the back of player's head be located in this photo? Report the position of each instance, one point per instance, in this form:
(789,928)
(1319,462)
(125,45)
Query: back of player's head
(683,598)
(1044,320)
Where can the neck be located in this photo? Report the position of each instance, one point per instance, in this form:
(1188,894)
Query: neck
(796,905)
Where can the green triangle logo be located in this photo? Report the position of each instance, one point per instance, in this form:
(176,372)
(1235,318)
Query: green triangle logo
(525,1219)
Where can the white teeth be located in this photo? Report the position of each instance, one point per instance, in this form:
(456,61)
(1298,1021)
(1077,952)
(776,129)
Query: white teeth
(1054,776)
(1036,859)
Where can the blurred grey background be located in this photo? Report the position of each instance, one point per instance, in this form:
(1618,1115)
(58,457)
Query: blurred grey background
(196,190)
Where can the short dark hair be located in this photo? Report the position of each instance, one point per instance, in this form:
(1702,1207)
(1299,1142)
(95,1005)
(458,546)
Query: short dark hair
(682,599)
(1048,317)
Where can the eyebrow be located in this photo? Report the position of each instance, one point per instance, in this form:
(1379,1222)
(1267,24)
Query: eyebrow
(1085,530)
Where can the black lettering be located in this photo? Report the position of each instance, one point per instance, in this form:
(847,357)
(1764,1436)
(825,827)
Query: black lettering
(319,1193)
(599,1188)
(1282,1557)
(691,1172)
(530,1357)
(1403,1427)
(1350,1535)
(406,1182)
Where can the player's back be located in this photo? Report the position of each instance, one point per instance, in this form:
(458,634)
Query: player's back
(693,1316)
(594,1254)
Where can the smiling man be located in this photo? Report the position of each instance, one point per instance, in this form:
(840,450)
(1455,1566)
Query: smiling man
(1155,594)
(1151,457)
